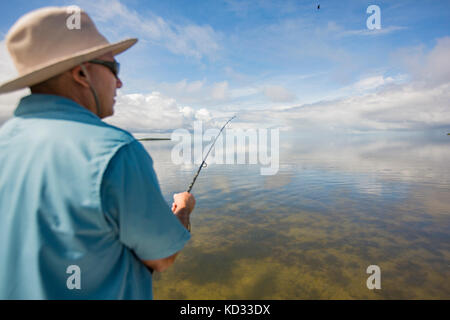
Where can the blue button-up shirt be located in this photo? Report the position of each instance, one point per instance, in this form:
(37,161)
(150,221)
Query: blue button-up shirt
(80,206)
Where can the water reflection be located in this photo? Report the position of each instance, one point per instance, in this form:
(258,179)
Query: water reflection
(336,206)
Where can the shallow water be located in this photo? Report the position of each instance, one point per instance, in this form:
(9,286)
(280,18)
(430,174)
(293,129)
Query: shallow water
(336,206)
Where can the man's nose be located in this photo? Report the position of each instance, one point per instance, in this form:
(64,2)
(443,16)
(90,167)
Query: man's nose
(119,83)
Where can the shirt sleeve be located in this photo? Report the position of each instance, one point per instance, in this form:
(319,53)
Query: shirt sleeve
(131,196)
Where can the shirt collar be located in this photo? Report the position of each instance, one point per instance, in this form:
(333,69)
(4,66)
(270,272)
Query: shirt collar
(43,103)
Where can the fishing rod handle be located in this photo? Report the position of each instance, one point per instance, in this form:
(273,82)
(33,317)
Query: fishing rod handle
(192,184)
(196,175)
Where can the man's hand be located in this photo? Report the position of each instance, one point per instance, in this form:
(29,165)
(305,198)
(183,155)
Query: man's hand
(182,206)
(183,200)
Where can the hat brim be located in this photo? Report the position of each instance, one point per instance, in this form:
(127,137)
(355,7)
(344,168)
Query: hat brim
(53,68)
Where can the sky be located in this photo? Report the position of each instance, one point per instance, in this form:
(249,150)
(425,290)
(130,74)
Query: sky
(274,64)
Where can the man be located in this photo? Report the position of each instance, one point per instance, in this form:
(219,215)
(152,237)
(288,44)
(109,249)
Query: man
(81,211)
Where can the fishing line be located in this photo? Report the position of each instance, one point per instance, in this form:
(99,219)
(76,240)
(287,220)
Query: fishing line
(204,159)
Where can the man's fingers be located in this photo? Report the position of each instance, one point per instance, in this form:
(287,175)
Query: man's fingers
(184,200)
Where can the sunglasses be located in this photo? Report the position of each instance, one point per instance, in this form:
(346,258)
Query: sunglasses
(114,66)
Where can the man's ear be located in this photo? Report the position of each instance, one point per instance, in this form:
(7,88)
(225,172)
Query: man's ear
(79,76)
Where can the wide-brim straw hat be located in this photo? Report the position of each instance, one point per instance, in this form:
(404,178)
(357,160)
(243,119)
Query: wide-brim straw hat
(49,41)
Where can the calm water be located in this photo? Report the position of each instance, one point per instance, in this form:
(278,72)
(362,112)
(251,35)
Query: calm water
(336,206)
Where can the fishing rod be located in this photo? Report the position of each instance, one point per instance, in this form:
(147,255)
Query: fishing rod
(204,159)
(152,139)
(201,166)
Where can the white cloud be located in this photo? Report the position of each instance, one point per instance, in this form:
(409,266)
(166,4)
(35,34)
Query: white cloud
(394,108)
(193,40)
(437,65)
(339,31)
(6,65)
(188,112)
(8,101)
(190,40)
(375,102)
(432,68)
(235,75)
(196,92)
(203,115)
(219,91)
(278,94)
(378,102)
(373,82)
(156,112)
(185,87)
(151,112)
(374,32)
(366,85)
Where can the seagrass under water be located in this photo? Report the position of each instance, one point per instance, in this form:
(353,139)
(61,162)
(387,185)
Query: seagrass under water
(336,206)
